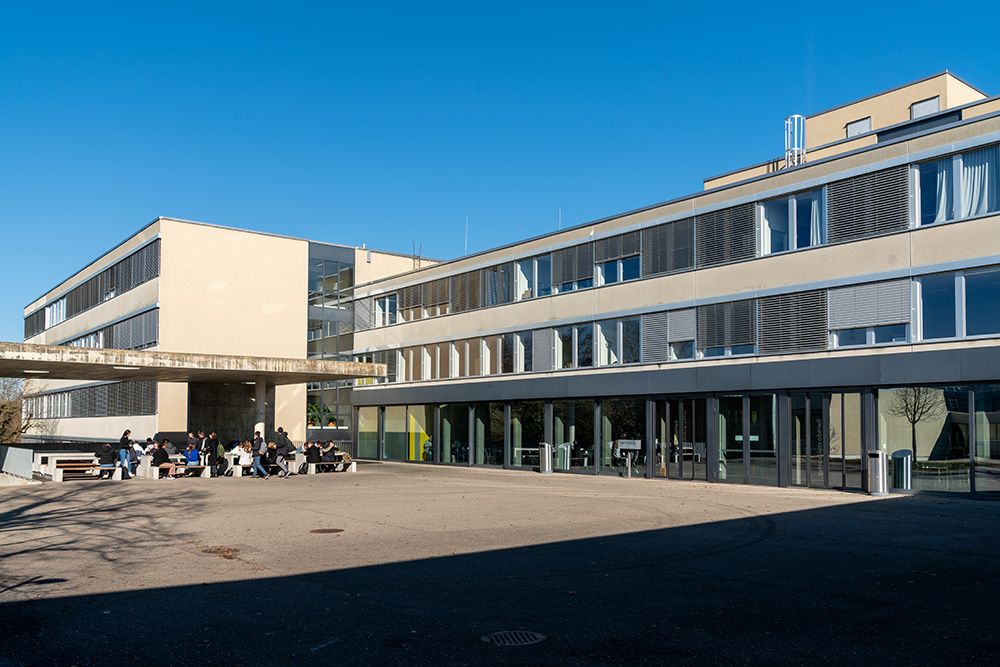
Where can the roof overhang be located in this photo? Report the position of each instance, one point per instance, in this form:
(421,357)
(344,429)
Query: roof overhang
(57,362)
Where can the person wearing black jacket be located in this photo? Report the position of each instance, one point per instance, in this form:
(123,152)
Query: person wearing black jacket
(212,453)
(162,460)
(106,457)
(281,449)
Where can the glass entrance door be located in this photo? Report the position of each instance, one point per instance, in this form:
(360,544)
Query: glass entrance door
(826,440)
(680,441)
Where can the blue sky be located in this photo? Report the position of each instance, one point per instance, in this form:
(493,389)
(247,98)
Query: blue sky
(388,123)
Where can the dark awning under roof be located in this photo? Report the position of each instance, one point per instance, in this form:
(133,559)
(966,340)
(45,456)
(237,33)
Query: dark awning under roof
(57,362)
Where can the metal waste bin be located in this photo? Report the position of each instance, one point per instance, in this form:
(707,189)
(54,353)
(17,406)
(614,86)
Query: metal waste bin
(878,473)
(902,469)
(545,458)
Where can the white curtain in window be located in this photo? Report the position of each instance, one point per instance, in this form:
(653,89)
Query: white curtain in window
(765,232)
(942,187)
(981,182)
(817,230)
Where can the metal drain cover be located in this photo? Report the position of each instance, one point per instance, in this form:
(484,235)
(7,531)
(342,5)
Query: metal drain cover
(513,638)
(326,531)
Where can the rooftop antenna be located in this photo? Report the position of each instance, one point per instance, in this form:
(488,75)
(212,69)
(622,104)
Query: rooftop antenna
(466,235)
(795,140)
(560,218)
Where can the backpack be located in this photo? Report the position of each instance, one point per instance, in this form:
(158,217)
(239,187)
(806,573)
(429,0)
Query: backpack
(262,450)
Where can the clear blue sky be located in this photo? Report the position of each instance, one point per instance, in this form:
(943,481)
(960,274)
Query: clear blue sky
(388,123)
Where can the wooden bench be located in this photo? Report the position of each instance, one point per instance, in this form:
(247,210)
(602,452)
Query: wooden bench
(155,471)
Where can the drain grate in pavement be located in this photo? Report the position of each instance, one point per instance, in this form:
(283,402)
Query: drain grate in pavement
(327,530)
(513,638)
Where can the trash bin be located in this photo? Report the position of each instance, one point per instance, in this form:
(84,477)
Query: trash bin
(545,458)
(877,473)
(902,469)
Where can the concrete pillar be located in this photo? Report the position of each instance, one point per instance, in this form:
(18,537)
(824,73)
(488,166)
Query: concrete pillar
(260,407)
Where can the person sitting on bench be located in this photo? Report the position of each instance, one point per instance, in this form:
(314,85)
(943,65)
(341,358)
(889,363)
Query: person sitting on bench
(162,460)
(192,456)
(106,457)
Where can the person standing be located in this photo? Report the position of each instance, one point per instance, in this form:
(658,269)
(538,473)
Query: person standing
(125,453)
(259,452)
(212,455)
(282,447)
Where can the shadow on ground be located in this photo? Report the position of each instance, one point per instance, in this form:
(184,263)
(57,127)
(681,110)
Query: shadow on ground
(903,581)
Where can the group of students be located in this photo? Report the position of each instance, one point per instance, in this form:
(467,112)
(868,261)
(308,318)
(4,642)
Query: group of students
(206,450)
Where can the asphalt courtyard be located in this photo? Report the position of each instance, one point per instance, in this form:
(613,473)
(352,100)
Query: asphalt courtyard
(411,565)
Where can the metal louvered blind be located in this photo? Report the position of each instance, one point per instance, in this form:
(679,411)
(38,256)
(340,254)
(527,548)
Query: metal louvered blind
(460,292)
(135,333)
(870,305)
(655,345)
(793,322)
(668,248)
(363,319)
(434,292)
(867,205)
(730,323)
(683,325)
(541,350)
(498,284)
(572,264)
(409,297)
(726,236)
(616,247)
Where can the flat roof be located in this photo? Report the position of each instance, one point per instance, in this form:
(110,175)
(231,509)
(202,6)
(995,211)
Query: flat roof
(59,362)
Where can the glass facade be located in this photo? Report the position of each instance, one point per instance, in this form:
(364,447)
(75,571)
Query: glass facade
(527,432)
(488,434)
(623,419)
(454,433)
(573,436)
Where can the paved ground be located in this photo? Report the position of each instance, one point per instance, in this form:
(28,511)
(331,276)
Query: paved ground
(614,571)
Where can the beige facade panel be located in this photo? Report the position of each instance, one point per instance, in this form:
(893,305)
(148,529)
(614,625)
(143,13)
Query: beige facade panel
(960,93)
(981,109)
(109,429)
(242,294)
(290,410)
(172,406)
(951,242)
(95,267)
(134,300)
(887,109)
(383,265)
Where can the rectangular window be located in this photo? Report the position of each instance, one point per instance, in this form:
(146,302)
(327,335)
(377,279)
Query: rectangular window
(867,205)
(937,306)
(925,107)
(491,360)
(573,268)
(524,352)
(682,350)
(584,345)
(982,303)
(731,325)
(543,275)
(630,340)
(792,222)
(507,353)
(981,182)
(858,127)
(564,347)
(936,198)
(524,286)
(461,359)
(852,337)
(607,343)
(475,357)
(668,248)
(726,235)
(892,333)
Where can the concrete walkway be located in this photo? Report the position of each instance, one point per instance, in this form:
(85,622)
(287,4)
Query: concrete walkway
(412,564)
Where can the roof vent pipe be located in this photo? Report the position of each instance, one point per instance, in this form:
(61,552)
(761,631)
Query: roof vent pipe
(795,140)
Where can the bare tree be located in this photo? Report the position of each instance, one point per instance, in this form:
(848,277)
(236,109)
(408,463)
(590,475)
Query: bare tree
(916,404)
(13,423)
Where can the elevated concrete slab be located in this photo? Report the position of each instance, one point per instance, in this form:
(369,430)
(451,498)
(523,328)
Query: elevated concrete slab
(27,360)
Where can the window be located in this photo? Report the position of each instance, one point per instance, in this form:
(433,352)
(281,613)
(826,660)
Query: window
(792,222)
(385,310)
(890,333)
(935,191)
(574,346)
(925,107)
(617,258)
(533,277)
(937,306)
(982,294)
(523,358)
(507,353)
(573,268)
(668,336)
(981,182)
(618,342)
(859,127)
(727,328)
(668,248)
